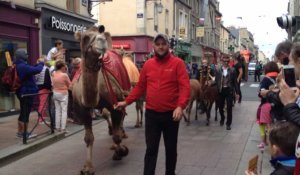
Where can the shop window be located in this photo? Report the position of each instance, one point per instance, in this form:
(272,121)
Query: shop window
(8,101)
(73,6)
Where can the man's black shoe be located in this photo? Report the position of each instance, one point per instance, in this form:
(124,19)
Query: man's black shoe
(228,128)
(221,123)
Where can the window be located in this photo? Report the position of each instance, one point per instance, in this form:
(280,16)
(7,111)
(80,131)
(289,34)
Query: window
(7,100)
(167,22)
(193,33)
(183,23)
(73,6)
(155,19)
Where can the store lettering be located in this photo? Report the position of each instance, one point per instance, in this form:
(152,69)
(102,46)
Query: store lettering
(65,26)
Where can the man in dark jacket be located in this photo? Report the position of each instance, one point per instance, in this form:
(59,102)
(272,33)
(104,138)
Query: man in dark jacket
(26,74)
(226,83)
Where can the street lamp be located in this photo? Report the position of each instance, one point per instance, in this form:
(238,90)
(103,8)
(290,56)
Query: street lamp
(159,7)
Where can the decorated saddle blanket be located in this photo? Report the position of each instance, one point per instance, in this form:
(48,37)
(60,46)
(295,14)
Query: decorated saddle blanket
(113,64)
(132,70)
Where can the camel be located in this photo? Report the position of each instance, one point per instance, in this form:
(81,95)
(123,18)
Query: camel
(98,88)
(208,94)
(194,95)
(134,76)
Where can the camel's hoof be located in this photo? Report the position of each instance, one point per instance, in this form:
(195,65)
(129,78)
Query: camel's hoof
(84,171)
(207,123)
(116,156)
(137,126)
(123,151)
(216,119)
(113,147)
(110,131)
(125,136)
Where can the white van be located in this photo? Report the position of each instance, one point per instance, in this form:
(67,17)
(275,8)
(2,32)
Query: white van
(251,68)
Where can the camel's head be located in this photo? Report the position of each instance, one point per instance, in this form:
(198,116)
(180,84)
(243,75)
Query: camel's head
(93,46)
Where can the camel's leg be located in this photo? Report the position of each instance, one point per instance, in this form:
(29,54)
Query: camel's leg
(88,168)
(137,107)
(118,133)
(197,104)
(107,116)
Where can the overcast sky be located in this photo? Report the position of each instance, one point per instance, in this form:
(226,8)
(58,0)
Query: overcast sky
(259,16)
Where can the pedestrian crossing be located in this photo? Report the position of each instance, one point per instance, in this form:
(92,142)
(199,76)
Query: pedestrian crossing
(253,85)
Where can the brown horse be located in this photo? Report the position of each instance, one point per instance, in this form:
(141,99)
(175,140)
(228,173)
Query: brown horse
(194,95)
(208,94)
(97,88)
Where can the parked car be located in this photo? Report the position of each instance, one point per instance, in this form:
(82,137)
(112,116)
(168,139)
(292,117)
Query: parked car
(251,68)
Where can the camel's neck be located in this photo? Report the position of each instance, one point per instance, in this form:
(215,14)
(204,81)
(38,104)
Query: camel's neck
(90,87)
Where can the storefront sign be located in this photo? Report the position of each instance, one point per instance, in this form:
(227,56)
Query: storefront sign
(121,46)
(200,32)
(182,32)
(60,24)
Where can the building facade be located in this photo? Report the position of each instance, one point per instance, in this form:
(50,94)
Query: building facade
(59,20)
(133,25)
(34,26)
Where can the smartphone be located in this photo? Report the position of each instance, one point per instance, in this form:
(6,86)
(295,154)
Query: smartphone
(290,76)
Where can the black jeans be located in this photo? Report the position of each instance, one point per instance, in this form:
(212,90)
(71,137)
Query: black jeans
(157,123)
(25,108)
(226,94)
(239,91)
(257,76)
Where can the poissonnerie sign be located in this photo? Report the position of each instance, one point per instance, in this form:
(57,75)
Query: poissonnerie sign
(60,24)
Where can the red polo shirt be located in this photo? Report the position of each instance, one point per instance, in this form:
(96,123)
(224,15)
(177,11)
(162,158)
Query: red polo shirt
(165,82)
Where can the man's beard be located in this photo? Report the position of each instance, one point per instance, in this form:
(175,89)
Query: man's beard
(161,56)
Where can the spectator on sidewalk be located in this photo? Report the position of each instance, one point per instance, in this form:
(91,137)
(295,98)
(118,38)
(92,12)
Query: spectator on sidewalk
(267,84)
(165,80)
(26,74)
(61,83)
(43,81)
(55,53)
(74,76)
(283,138)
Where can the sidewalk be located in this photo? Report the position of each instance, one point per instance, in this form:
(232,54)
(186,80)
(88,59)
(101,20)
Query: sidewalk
(12,147)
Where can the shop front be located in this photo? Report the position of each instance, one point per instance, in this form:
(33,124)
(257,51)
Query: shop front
(139,46)
(196,53)
(18,30)
(183,51)
(59,24)
(212,54)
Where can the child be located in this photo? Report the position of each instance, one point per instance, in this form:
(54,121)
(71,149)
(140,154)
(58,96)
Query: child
(264,120)
(283,138)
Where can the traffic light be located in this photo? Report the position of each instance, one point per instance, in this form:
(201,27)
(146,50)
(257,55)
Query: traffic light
(286,21)
(173,42)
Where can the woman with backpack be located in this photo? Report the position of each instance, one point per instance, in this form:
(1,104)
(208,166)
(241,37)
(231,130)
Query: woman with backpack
(26,74)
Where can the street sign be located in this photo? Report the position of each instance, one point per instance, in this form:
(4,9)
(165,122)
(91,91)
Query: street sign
(200,32)
(231,48)
(182,32)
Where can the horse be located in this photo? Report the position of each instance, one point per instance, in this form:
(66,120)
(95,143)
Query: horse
(208,93)
(194,95)
(98,87)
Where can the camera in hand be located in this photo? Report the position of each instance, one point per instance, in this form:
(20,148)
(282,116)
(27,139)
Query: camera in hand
(289,76)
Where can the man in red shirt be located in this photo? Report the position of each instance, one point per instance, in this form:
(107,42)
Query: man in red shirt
(165,80)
